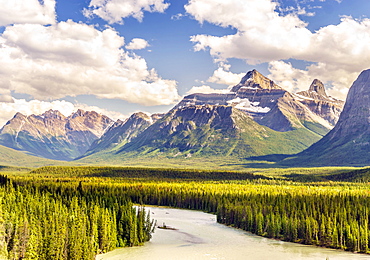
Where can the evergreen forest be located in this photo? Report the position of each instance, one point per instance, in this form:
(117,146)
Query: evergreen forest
(39,224)
(78,212)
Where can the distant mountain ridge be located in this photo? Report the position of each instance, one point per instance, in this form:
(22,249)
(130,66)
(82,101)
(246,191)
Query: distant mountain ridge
(52,135)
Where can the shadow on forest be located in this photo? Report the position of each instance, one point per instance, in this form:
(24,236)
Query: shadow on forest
(270,157)
(264,161)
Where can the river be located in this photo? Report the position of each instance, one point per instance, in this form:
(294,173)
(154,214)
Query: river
(199,236)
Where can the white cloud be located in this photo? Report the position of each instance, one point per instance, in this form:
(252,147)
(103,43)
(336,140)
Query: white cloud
(8,110)
(114,11)
(37,107)
(223,75)
(27,11)
(263,35)
(137,44)
(69,59)
(336,80)
(6,96)
(206,90)
(178,16)
(288,77)
(287,8)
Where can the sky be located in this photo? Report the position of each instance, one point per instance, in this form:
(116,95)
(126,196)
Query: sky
(118,57)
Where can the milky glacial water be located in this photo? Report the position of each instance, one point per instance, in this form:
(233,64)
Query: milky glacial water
(199,236)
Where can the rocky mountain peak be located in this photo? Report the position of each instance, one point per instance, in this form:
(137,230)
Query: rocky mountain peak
(53,114)
(19,115)
(317,92)
(316,99)
(78,113)
(254,80)
(318,87)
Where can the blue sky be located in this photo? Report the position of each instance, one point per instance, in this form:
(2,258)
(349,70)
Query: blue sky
(123,56)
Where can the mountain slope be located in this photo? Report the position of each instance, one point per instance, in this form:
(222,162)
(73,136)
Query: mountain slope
(348,143)
(11,157)
(207,131)
(52,135)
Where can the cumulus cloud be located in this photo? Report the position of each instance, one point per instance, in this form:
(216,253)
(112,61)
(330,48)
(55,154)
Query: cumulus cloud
(69,59)
(137,44)
(223,75)
(292,79)
(6,96)
(264,35)
(8,110)
(37,107)
(27,11)
(114,11)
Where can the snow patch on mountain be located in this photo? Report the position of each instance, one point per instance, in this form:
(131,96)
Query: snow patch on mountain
(245,104)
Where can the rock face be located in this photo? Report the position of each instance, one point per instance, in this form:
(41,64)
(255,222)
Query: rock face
(122,132)
(348,143)
(52,135)
(317,87)
(274,107)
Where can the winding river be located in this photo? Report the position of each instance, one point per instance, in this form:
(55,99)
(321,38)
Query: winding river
(199,236)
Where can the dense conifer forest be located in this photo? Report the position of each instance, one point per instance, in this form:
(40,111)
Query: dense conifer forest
(78,212)
(39,224)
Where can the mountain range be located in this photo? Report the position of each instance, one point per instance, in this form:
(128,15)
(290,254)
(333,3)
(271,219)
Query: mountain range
(52,135)
(257,117)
